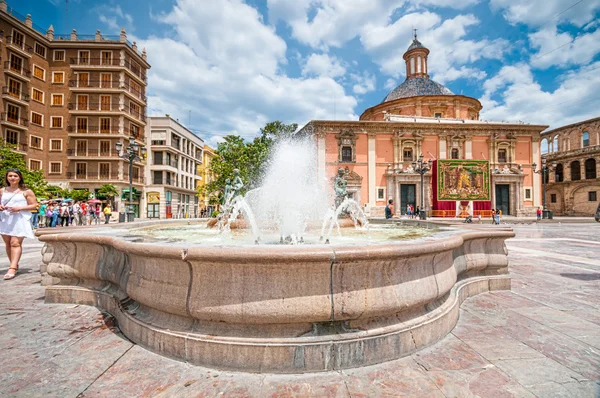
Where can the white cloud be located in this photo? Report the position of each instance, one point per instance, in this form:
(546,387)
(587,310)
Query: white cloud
(114,18)
(444,3)
(538,12)
(365,83)
(323,65)
(562,49)
(513,94)
(225,65)
(390,84)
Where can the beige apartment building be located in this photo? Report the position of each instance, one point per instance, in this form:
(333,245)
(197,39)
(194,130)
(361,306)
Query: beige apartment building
(67,99)
(175,154)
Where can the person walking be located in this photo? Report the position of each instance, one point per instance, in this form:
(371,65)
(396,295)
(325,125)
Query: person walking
(498,216)
(76,211)
(55,215)
(97,213)
(35,217)
(107,213)
(493,216)
(49,215)
(64,215)
(84,213)
(539,213)
(16,204)
(42,215)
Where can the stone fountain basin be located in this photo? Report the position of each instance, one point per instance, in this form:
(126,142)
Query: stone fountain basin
(281,309)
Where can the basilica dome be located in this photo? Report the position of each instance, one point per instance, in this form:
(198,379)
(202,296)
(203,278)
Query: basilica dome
(416,87)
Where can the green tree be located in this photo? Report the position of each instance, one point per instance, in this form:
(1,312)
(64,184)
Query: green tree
(250,158)
(10,159)
(108,191)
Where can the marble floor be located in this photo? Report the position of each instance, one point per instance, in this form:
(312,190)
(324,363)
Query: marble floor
(540,339)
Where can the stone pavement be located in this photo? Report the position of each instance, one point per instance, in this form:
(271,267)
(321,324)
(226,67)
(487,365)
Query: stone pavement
(541,339)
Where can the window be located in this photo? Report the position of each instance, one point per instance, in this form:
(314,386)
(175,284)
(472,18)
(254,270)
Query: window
(544,146)
(575,171)
(158,142)
(35,165)
(59,55)
(105,125)
(39,72)
(380,193)
(35,142)
(84,57)
(57,99)
(552,198)
(555,144)
(105,102)
(55,167)
(106,57)
(134,109)
(134,130)
(39,50)
(81,148)
(527,193)
(105,80)
(81,170)
(82,102)
(58,77)
(18,39)
(14,88)
(55,145)
(104,148)
(346,154)
(16,63)
(12,113)
(585,139)
(408,155)
(135,88)
(592,196)
(501,155)
(455,153)
(37,118)
(82,125)
(157,177)
(136,172)
(83,79)
(590,169)
(37,95)
(12,137)
(437,115)
(559,173)
(104,170)
(56,122)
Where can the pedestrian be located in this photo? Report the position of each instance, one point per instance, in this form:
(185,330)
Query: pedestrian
(49,215)
(35,217)
(42,215)
(408,210)
(107,213)
(55,215)
(498,216)
(539,213)
(84,213)
(493,216)
(64,214)
(76,211)
(16,204)
(97,215)
(389,209)
(417,212)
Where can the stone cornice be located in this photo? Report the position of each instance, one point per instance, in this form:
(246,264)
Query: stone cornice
(586,152)
(425,100)
(570,126)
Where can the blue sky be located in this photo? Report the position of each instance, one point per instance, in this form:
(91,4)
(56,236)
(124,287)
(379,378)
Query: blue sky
(230,66)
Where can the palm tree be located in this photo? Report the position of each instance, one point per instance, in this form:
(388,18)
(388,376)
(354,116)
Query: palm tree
(109,191)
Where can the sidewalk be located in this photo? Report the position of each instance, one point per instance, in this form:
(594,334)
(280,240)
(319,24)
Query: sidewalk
(540,339)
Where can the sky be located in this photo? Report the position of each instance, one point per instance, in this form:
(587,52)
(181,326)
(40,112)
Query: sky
(230,66)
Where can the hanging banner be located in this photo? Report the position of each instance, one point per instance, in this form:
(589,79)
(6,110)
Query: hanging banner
(463,180)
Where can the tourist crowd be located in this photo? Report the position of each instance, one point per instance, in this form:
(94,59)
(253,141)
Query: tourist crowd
(53,214)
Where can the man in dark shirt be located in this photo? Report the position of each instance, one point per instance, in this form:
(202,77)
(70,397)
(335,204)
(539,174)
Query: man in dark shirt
(389,209)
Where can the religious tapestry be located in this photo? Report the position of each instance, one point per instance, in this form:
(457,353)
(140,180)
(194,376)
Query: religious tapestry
(463,180)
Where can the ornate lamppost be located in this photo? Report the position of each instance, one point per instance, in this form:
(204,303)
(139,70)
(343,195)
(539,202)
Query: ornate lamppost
(544,171)
(130,154)
(421,167)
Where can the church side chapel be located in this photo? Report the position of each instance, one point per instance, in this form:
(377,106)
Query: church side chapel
(421,120)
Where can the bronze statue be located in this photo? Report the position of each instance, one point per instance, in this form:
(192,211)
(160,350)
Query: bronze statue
(339,188)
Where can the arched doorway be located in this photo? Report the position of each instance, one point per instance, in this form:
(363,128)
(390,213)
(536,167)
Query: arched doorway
(559,173)
(590,169)
(575,171)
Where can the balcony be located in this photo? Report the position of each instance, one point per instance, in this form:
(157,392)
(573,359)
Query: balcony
(19,46)
(91,153)
(13,121)
(136,72)
(96,62)
(93,107)
(94,175)
(100,84)
(163,181)
(137,114)
(18,146)
(136,180)
(17,71)
(94,130)
(172,163)
(20,97)
(137,94)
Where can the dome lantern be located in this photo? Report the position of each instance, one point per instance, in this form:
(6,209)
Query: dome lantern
(416,59)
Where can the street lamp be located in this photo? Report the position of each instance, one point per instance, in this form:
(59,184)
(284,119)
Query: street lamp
(130,154)
(422,167)
(544,171)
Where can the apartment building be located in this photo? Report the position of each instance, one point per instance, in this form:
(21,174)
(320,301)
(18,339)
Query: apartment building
(67,99)
(172,174)
(206,178)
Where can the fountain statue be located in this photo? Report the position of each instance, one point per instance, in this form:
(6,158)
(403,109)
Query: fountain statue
(341,192)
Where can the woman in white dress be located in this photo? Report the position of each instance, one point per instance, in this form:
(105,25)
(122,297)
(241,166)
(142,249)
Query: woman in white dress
(16,203)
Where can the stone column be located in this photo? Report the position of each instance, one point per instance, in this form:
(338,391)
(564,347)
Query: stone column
(536,178)
(371,169)
(582,165)
(443,148)
(396,197)
(395,144)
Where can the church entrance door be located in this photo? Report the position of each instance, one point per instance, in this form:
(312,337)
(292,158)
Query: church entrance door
(407,196)
(503,198)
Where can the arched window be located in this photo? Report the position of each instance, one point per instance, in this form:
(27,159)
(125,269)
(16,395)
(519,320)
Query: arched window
(454,153)
(419,64)
(585,139)
(412,65)
(555,144)
(501,155)
(346,154)
(590,169)
(544,146)
(575,171)
(558,173)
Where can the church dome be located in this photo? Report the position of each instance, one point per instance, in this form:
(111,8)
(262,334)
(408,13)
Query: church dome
(415,87)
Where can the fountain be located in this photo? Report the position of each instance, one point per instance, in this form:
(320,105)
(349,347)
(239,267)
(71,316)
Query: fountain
(226,302)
